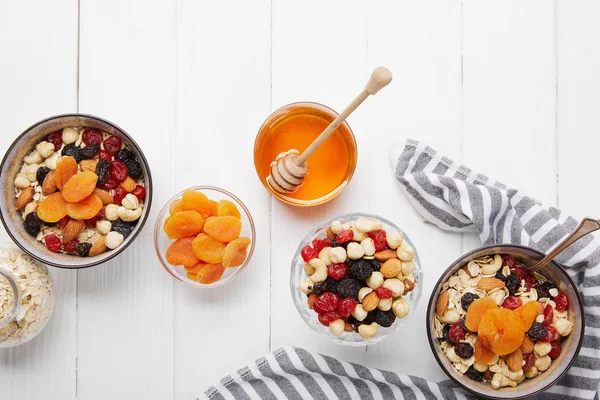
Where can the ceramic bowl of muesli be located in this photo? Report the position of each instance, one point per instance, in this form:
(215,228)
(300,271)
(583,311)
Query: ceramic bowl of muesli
(500,332)
(77,190)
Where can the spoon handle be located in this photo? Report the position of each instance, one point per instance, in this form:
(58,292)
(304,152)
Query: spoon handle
(587,225)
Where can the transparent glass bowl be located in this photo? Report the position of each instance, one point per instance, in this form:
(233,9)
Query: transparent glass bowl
(162,241)
(311,318)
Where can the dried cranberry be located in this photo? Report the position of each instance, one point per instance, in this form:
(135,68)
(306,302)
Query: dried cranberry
(140,193)
(529,360)
(53,243)
(379,238)
(550,334)
(530,281)
(308,253)
(325,303)
(548,315)
(562,301)
(346,306)
(118,170)
(345,236)
(110,183)
(537,331)
(463,350)
(104,155)
(91,223)
(337,271)
(56,139)
(555,349)
(63,222)
(512,302)
(91,136)
(71,247)
(119,195)
(329,317)
(457,333)
(508,260)
(112,145)
(520,272)
(383,293)
(318,243)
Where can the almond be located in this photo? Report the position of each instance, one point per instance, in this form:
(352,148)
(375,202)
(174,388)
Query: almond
(442,303)
(98,247)
(527,346)
(128,184)
(72,230)
(25,197)
(391,268)
(370,301)
(487,284)
(329,233)
(385,255)
(104,196)
(409,284)
(514,360)
(88,165)
(348,327)
(49,185)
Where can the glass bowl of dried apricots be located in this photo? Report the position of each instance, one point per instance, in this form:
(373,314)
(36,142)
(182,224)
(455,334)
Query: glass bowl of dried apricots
(501,332)
(204,236)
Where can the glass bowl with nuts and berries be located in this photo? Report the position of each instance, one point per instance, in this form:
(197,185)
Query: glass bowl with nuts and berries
(499,331)
(77,191)
(356,278)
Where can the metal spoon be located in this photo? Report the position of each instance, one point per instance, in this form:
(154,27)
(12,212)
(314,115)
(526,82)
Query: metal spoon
(587,225)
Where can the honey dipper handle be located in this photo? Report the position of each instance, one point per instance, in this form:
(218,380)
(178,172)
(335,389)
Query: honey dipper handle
(380,77)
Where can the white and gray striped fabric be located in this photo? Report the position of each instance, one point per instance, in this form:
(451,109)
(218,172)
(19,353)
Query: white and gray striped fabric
(454,198)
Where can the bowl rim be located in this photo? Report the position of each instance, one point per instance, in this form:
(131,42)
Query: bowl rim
(147,203)
(432,340)
(413,305)
(158,227)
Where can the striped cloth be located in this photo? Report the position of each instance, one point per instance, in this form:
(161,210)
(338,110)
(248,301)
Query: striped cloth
(454,198)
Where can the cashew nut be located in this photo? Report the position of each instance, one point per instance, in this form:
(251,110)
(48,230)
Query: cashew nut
(394,240)
(21,181)
(114,240)
(499,380)
(395,285)
(367,331)
(542,363)
(103,227)
(338,255)
(306,286)
(33,158)
(450,317)
(337,327)
(130,201)
(354,250)
(532,372)
(52,161)
(385,304)
(325,255)
(516,375)
(363,292)
(359,312)
(111,212)
(480,367)
(368,246)
(45,149)
(30,207)
(493,267)
(405,252)
(69,135)
(542,348)
(367,224)
(320,273)
(408,267)
(375,280)
(336,227)
(128,215)
(401,308)
(563,326)
(31,172)
(358,235)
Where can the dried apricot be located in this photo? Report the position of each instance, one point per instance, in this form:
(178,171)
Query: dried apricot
(79,186)
(501,330)
(235,252)
(224,229)
(176,206)
(180,252)
(192,275)
(527,314)
(210,273)
(483,355)
(65,169)
(86,208)
(226,207)
(476,311)
(195,268)
(208,249)
(182,224)
(53,208)
(192,200)
(214,208)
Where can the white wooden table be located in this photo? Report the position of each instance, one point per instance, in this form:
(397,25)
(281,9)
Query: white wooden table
(511,88)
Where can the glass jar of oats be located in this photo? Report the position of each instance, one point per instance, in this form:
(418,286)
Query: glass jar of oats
(26,297)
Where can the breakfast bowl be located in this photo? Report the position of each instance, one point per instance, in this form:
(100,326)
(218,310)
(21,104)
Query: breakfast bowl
(181,254)
(518,333)
(356,279)
(94,229)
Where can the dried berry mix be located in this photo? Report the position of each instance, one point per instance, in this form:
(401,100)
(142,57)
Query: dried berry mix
(463,350)
(467,299)
(359,269)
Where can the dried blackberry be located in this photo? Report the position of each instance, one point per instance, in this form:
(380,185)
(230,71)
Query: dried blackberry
(474,374)
(332,284)
(74,151)
(463,350)
(537,331)
(376,265)
(360,269)
(124,155)
(41,173)
(348,287)
(385,318)
(83,249)
(320,287)
(334,243)
(446,334)
(463,323)
(371,317)
(102,170)
(33,223)
(541,291)
(90,151)
(124,228)
(134,169)
(513,283)
(467,299)
(500,275)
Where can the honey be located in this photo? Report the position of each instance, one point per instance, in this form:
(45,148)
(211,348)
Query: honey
(294,127)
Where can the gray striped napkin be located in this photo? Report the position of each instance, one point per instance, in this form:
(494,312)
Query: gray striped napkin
(454,198)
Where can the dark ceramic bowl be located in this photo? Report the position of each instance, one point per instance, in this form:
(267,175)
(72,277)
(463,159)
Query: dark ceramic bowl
(570,344)
(11,165)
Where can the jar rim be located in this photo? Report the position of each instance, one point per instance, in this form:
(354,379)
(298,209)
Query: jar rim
(8,318)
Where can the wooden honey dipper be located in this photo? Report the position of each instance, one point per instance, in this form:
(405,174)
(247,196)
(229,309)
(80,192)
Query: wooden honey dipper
(289,170)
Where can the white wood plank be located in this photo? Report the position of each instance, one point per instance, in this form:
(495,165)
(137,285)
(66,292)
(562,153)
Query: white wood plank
(578,89)
(38,76)
(223,95)
(125,307)
(420,43)
(319,54)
